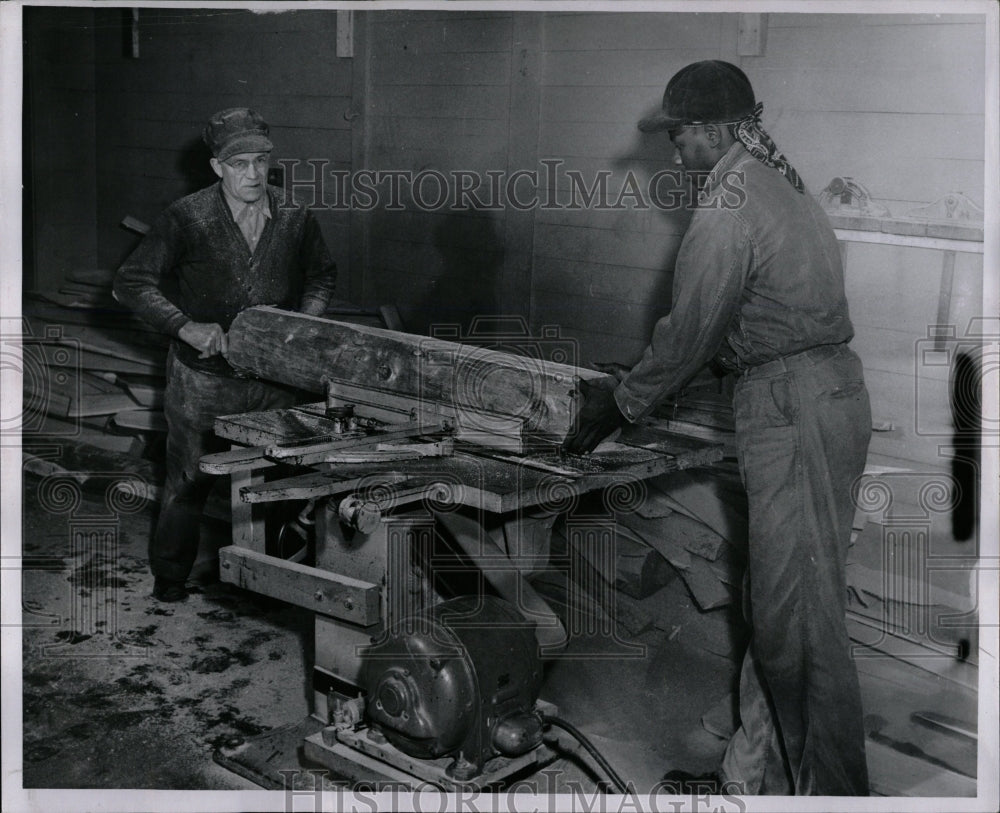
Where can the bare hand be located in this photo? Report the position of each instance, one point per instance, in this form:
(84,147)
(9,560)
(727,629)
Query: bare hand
(597,419)
(313,307)
(207,337)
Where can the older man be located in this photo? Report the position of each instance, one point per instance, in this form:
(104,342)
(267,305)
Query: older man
(759,288)
(210,255)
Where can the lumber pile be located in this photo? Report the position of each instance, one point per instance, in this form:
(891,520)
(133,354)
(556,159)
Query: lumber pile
(913,636)
(658,565)
(86,360)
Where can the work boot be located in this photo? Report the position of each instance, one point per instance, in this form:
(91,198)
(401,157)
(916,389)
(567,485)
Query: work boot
(168,590)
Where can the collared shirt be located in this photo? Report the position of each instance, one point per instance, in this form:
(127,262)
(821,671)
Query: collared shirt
(250,217)
(758,277)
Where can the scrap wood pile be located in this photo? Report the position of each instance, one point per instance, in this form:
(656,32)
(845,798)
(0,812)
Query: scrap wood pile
(671,560)
(672,577)
(915,644)
(93,378)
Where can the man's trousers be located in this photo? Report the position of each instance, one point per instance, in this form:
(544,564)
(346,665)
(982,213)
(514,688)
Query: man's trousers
(191,403)
(802,429)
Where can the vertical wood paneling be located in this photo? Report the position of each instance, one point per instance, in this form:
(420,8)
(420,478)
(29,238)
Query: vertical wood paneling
(60,87)
(441,100)
(605,273)
(150,110)
(896,102)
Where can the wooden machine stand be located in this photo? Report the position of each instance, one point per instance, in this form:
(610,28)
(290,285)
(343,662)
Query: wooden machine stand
(415,437)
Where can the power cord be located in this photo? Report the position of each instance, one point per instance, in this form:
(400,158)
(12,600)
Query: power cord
(569,728)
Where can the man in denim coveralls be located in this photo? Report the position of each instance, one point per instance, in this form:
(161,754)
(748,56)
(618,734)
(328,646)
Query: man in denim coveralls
(759,288)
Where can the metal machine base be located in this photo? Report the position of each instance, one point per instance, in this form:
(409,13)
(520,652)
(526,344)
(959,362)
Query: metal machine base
(373,753)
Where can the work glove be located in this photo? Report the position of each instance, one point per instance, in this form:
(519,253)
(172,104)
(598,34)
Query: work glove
(598,417)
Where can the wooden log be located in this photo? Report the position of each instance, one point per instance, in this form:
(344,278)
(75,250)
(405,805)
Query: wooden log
(307,352)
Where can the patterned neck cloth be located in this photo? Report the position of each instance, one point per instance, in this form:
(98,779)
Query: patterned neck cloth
(760,145)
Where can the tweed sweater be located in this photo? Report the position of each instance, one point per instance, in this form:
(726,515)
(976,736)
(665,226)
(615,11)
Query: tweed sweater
(195,265)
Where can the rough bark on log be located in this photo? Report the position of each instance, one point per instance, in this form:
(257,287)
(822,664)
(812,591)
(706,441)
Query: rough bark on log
(307,351)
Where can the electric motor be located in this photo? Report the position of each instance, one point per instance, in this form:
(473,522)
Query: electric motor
(461,680)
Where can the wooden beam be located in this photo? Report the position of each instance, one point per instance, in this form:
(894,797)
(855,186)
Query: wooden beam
(318,590)
(308,352)
(357,283)
(522,151)
(752,35)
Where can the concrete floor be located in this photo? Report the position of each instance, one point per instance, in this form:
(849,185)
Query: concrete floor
(120,691)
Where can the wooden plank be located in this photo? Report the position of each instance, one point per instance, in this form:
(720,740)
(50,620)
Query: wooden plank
(359,220)
(147,391)
(318,590)
(141,420)
(639,569)
(872,639)
(66,355)
(480,428)
(522,151)
(695,537)
(313,453)
(894,773)
(913,241)
(600,31)
(273,426)
(93,276)
(313,486)
(91,404)
(459,33)
(707,589)
(236,459)
(478,102)
(308,351)
(113,318)
(442,69)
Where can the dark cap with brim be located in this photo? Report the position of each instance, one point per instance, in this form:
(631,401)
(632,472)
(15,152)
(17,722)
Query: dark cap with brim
(235,131)
(702,93)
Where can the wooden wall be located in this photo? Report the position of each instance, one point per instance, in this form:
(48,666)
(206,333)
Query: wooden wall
(60,148)
(895,101)
(603,273)
(151,109)
(440,100)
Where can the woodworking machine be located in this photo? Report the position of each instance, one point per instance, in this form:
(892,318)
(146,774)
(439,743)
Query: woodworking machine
(431,473)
